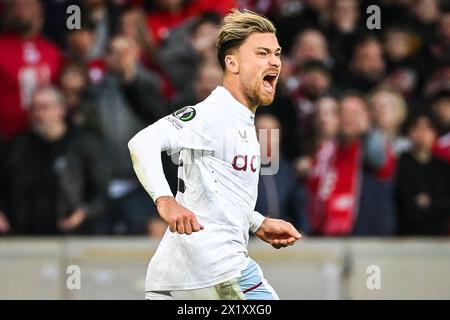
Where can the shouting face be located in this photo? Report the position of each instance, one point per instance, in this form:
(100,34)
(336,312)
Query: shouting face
(257,65)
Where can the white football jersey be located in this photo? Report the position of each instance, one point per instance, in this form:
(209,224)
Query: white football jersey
(219,163)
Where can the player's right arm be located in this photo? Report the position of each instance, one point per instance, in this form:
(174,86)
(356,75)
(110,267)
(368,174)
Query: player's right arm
(145,149)
(177,217)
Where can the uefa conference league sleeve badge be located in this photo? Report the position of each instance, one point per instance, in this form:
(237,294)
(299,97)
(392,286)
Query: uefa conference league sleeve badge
(185,114)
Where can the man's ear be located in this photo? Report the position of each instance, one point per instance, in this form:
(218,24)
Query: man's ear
(231,63)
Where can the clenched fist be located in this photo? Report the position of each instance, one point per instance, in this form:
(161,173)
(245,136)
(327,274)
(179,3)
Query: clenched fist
(178,218)
(278,233)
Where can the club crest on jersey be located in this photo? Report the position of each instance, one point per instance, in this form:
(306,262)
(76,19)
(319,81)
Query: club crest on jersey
(185,114)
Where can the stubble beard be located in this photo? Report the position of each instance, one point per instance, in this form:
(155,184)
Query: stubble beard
(256,97)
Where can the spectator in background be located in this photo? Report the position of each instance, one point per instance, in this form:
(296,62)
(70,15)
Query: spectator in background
(422,184)
(188,47)
(426,14)
(77,91)
(279,194)
(325,129)
(127,99)
(441,47)
(306,76)
(208,77)
(374,209)
(79,43)
(103,15)
(80,50)
(27,61)
(310,45)
(366,67)
(440,107)
(166,15)
(58,174)
(140,87)
(403,64)
(438,79)
(315,166)
(343,25)
(132,24)
(341,209)
(73,82)
(297,16)
(315,81)
(353,200)
(388,110)
(344,16)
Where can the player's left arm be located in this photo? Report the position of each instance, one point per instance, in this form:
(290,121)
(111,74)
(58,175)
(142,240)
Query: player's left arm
(277,232)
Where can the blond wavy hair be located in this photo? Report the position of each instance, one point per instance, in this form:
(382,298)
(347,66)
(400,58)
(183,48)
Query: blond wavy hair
(237,27)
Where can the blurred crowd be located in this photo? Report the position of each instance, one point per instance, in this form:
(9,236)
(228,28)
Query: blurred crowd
(363,115)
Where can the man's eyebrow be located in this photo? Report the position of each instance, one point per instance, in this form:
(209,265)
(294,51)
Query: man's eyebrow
(268,49)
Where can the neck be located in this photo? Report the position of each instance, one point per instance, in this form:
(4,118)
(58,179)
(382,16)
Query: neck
(55,132)
(346,140)
(325,139)
(232,86)
(421,155)
(346,26)
(28,35)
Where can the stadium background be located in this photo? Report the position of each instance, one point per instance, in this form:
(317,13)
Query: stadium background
(377,101)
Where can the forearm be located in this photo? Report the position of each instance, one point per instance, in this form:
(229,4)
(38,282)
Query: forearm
(145,150)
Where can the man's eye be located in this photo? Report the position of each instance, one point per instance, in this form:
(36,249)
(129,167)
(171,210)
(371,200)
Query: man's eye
(262,53)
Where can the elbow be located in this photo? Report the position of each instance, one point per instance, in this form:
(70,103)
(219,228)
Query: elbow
(143,140)
(132,144)
(132,147)
(136,143)
(138,139)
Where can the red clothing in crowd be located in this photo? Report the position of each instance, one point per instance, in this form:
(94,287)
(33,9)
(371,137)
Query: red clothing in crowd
(335,183)
(333,188)
(96,70)
(442,148)
(24,65)
(161,22)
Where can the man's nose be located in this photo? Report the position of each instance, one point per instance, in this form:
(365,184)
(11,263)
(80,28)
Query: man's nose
(275,61)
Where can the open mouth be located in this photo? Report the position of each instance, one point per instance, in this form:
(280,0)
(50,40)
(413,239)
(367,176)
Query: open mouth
(269,82)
